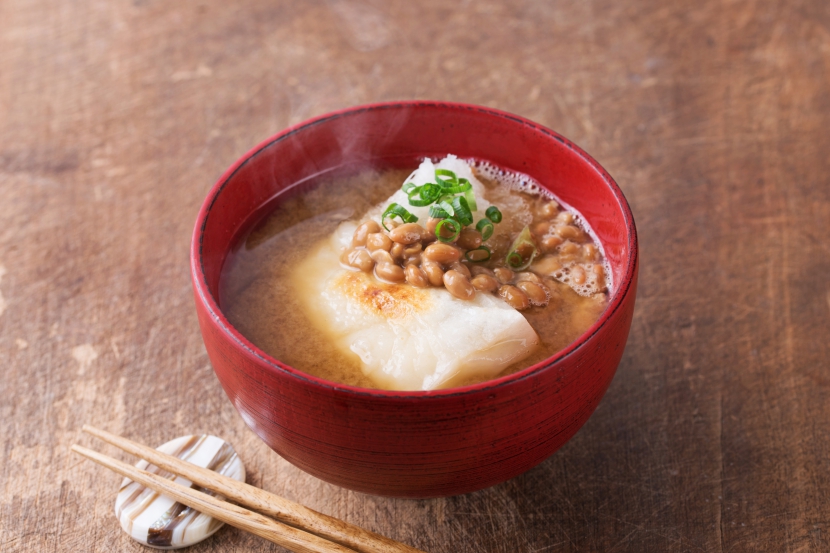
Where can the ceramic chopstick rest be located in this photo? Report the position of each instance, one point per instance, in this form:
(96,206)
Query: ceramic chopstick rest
(158,521)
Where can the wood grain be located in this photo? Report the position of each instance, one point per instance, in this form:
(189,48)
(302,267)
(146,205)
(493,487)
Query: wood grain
(116,117)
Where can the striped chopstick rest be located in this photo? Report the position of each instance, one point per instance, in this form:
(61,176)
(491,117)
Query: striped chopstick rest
(156,520)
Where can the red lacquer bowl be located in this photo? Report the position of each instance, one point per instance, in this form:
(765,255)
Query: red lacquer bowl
(414,444)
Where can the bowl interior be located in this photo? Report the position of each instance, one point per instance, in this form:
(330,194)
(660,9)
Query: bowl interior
(399,135)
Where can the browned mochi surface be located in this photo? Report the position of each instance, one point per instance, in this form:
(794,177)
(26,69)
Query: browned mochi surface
(383,298)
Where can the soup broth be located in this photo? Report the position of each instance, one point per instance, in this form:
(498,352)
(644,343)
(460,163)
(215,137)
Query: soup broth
(259,300)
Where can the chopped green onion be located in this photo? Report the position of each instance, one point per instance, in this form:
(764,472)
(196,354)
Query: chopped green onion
(415,201)
(455,229)
(463,185)
(462,210)
(451,199)
(445,173)
(515,261)
(485,227)
(432,190)
(493,214)
(420,196)
(395,210)
(522,251)
(470,196)
(482,253)
(451,185)
(437,213)
(446,206)
(461,189)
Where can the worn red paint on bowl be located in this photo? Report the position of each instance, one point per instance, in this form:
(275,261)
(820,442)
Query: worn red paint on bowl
(414,444)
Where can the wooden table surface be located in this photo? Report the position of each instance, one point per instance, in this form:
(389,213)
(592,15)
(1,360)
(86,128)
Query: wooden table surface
(117,116)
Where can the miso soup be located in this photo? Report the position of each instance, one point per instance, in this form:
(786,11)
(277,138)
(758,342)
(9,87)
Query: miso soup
(362,280)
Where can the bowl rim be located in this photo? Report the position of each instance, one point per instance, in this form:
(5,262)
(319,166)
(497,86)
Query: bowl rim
(203,293)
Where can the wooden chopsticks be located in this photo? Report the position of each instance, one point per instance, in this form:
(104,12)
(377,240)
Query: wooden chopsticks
(296,527)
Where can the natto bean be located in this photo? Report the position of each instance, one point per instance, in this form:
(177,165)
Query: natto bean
(378,241)
(390,272)
(442,253)
(434,272)
(416,277)
(360,259)
(363,231)
(503,274)
(514,297)
(382,256)
(469,239)
(408,233)
(459,285)
(461,268)
(485,283)
(534,292)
